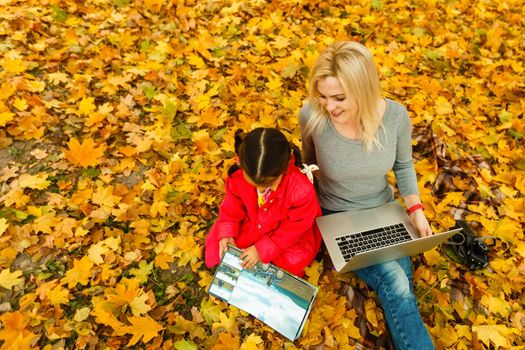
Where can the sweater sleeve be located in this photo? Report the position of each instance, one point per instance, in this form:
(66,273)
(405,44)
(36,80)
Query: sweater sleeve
(231,213)
(301,216)
(307,146)
(404,171)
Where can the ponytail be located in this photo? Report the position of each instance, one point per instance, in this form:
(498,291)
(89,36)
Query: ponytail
(239,138)
(297,155)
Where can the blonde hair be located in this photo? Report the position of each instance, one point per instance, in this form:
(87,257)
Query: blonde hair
(352,64)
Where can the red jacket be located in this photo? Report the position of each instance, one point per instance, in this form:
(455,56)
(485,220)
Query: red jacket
(283,229)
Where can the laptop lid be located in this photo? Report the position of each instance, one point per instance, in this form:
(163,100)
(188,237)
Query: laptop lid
(335,225)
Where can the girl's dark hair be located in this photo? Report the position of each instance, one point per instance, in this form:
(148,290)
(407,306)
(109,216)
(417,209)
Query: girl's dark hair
(264,154)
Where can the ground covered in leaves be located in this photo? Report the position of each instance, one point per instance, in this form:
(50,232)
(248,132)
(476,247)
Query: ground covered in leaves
(116,124)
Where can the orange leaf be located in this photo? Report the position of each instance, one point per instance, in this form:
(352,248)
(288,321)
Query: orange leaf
(14,332)
(80,273)
(85,154)
(142,327)
(226,342)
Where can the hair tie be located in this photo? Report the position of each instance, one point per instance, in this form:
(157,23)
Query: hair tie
(308,171)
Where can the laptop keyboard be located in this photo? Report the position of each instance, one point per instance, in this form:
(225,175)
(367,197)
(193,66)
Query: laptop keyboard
(364,241)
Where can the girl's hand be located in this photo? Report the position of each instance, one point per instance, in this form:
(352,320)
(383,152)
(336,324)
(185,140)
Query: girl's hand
(223,245)
(419,220)
(250,257)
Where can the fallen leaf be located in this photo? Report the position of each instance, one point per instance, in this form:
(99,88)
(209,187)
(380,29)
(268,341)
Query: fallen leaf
(10,279)
(85,154)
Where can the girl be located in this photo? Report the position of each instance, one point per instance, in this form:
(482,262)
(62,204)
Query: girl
(269,208)
(356,137)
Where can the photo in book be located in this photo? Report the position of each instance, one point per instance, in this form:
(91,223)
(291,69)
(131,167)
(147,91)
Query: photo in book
(274,296)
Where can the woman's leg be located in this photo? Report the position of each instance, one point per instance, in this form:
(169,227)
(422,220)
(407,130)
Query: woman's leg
(392,282)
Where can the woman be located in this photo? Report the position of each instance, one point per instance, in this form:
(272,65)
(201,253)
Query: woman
(356,137)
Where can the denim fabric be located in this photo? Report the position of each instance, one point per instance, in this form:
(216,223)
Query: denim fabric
(392,281)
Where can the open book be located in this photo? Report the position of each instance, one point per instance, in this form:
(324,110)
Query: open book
(276,297)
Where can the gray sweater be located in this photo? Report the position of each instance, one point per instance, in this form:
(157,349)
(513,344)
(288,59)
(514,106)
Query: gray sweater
(350,178)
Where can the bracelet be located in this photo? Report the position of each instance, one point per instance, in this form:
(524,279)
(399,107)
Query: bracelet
(415,207)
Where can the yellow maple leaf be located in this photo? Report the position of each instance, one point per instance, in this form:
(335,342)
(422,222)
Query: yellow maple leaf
(443,106)
(143,271)
(371,312)
(57,78)
(509,230)
(447,335)
(94,118)
(58,295)
(281,42)
(113,243)
(85,154)
(433,257)
(6,117)
(103,315)
(138,305)
(142,327)
(96,251)
(203,142)
(163,260)
(211,116)
(20,104)
(210,310)
(82,314)
(251,342)
(6,90)
(87,106)
(45,223)
(499,335)
(496,304)
(35,85)
(205,278)
(227,322)
(38,182)
(196,61)
(10,279)
(158,207)
(274,83)
(14,65)
(453,198)
(80,273)
(104,197)
(125,291)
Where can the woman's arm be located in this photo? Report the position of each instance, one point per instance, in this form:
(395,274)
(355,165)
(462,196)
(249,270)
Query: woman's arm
(406,178)
(417,217)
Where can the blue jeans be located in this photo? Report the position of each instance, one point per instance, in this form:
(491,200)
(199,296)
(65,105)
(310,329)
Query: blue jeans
(392,281)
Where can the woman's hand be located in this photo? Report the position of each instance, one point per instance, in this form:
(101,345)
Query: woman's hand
(419,220)
(223,245)
(250,257)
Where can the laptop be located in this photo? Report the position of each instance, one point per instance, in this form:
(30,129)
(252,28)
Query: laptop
(366,237)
